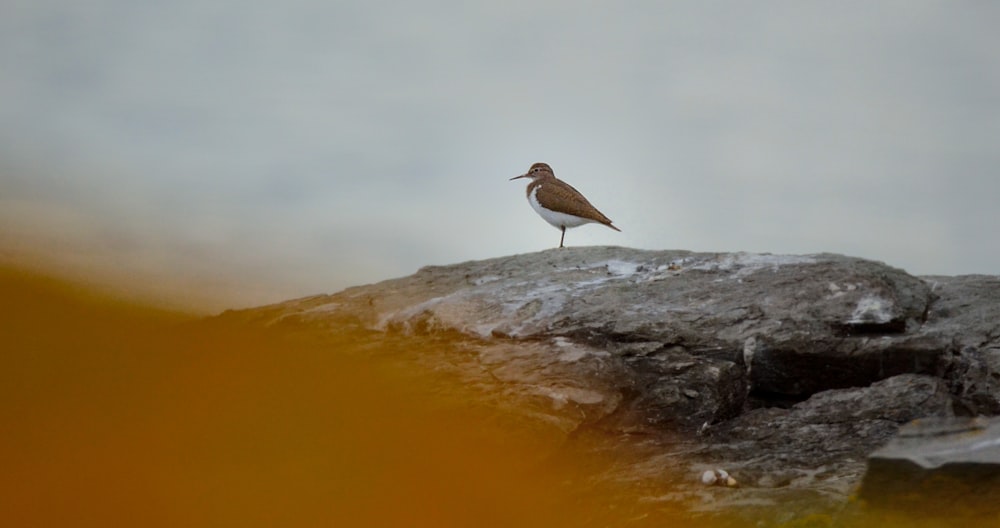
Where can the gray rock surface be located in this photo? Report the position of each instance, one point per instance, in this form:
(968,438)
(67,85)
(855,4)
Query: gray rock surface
(788,370)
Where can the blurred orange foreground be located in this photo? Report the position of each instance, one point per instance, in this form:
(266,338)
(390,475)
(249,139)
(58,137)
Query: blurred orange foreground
(115,414)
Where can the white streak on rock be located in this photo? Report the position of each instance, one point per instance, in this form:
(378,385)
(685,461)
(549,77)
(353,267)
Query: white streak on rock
(872,309)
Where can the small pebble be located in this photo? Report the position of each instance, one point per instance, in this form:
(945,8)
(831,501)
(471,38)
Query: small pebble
(719,477)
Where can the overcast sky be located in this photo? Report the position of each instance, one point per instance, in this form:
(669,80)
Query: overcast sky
(253,151)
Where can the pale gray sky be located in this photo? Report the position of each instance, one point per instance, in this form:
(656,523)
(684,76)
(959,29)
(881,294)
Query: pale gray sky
(253,151)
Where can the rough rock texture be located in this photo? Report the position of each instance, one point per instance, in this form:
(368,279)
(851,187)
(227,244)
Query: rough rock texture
(787,370)
(966,316)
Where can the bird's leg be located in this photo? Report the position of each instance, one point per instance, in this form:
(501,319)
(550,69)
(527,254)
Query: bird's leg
(563,236)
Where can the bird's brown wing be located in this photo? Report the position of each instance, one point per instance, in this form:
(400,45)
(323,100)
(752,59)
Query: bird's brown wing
(558,195)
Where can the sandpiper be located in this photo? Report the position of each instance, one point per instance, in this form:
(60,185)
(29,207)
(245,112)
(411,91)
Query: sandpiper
(558,202)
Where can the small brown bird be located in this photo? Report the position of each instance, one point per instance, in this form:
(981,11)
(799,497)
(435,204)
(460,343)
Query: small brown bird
(558,202)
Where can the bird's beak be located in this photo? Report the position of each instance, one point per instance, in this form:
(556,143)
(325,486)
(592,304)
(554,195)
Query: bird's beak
(525,175)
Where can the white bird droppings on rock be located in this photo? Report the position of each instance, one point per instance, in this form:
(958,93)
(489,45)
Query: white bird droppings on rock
(744,264)
(872,309)
(622,268)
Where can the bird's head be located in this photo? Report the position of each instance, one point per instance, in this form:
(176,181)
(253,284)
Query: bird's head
(538,170)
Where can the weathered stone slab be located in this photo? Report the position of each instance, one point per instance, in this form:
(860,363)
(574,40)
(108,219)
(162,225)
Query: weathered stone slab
(935,462)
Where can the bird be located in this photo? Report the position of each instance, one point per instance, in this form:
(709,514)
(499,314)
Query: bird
(558,203)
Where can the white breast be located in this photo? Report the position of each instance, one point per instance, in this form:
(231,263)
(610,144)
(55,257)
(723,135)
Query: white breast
(557,219)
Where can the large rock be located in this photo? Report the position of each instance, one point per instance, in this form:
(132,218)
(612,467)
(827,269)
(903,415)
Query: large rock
(782,316)
(788,370)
